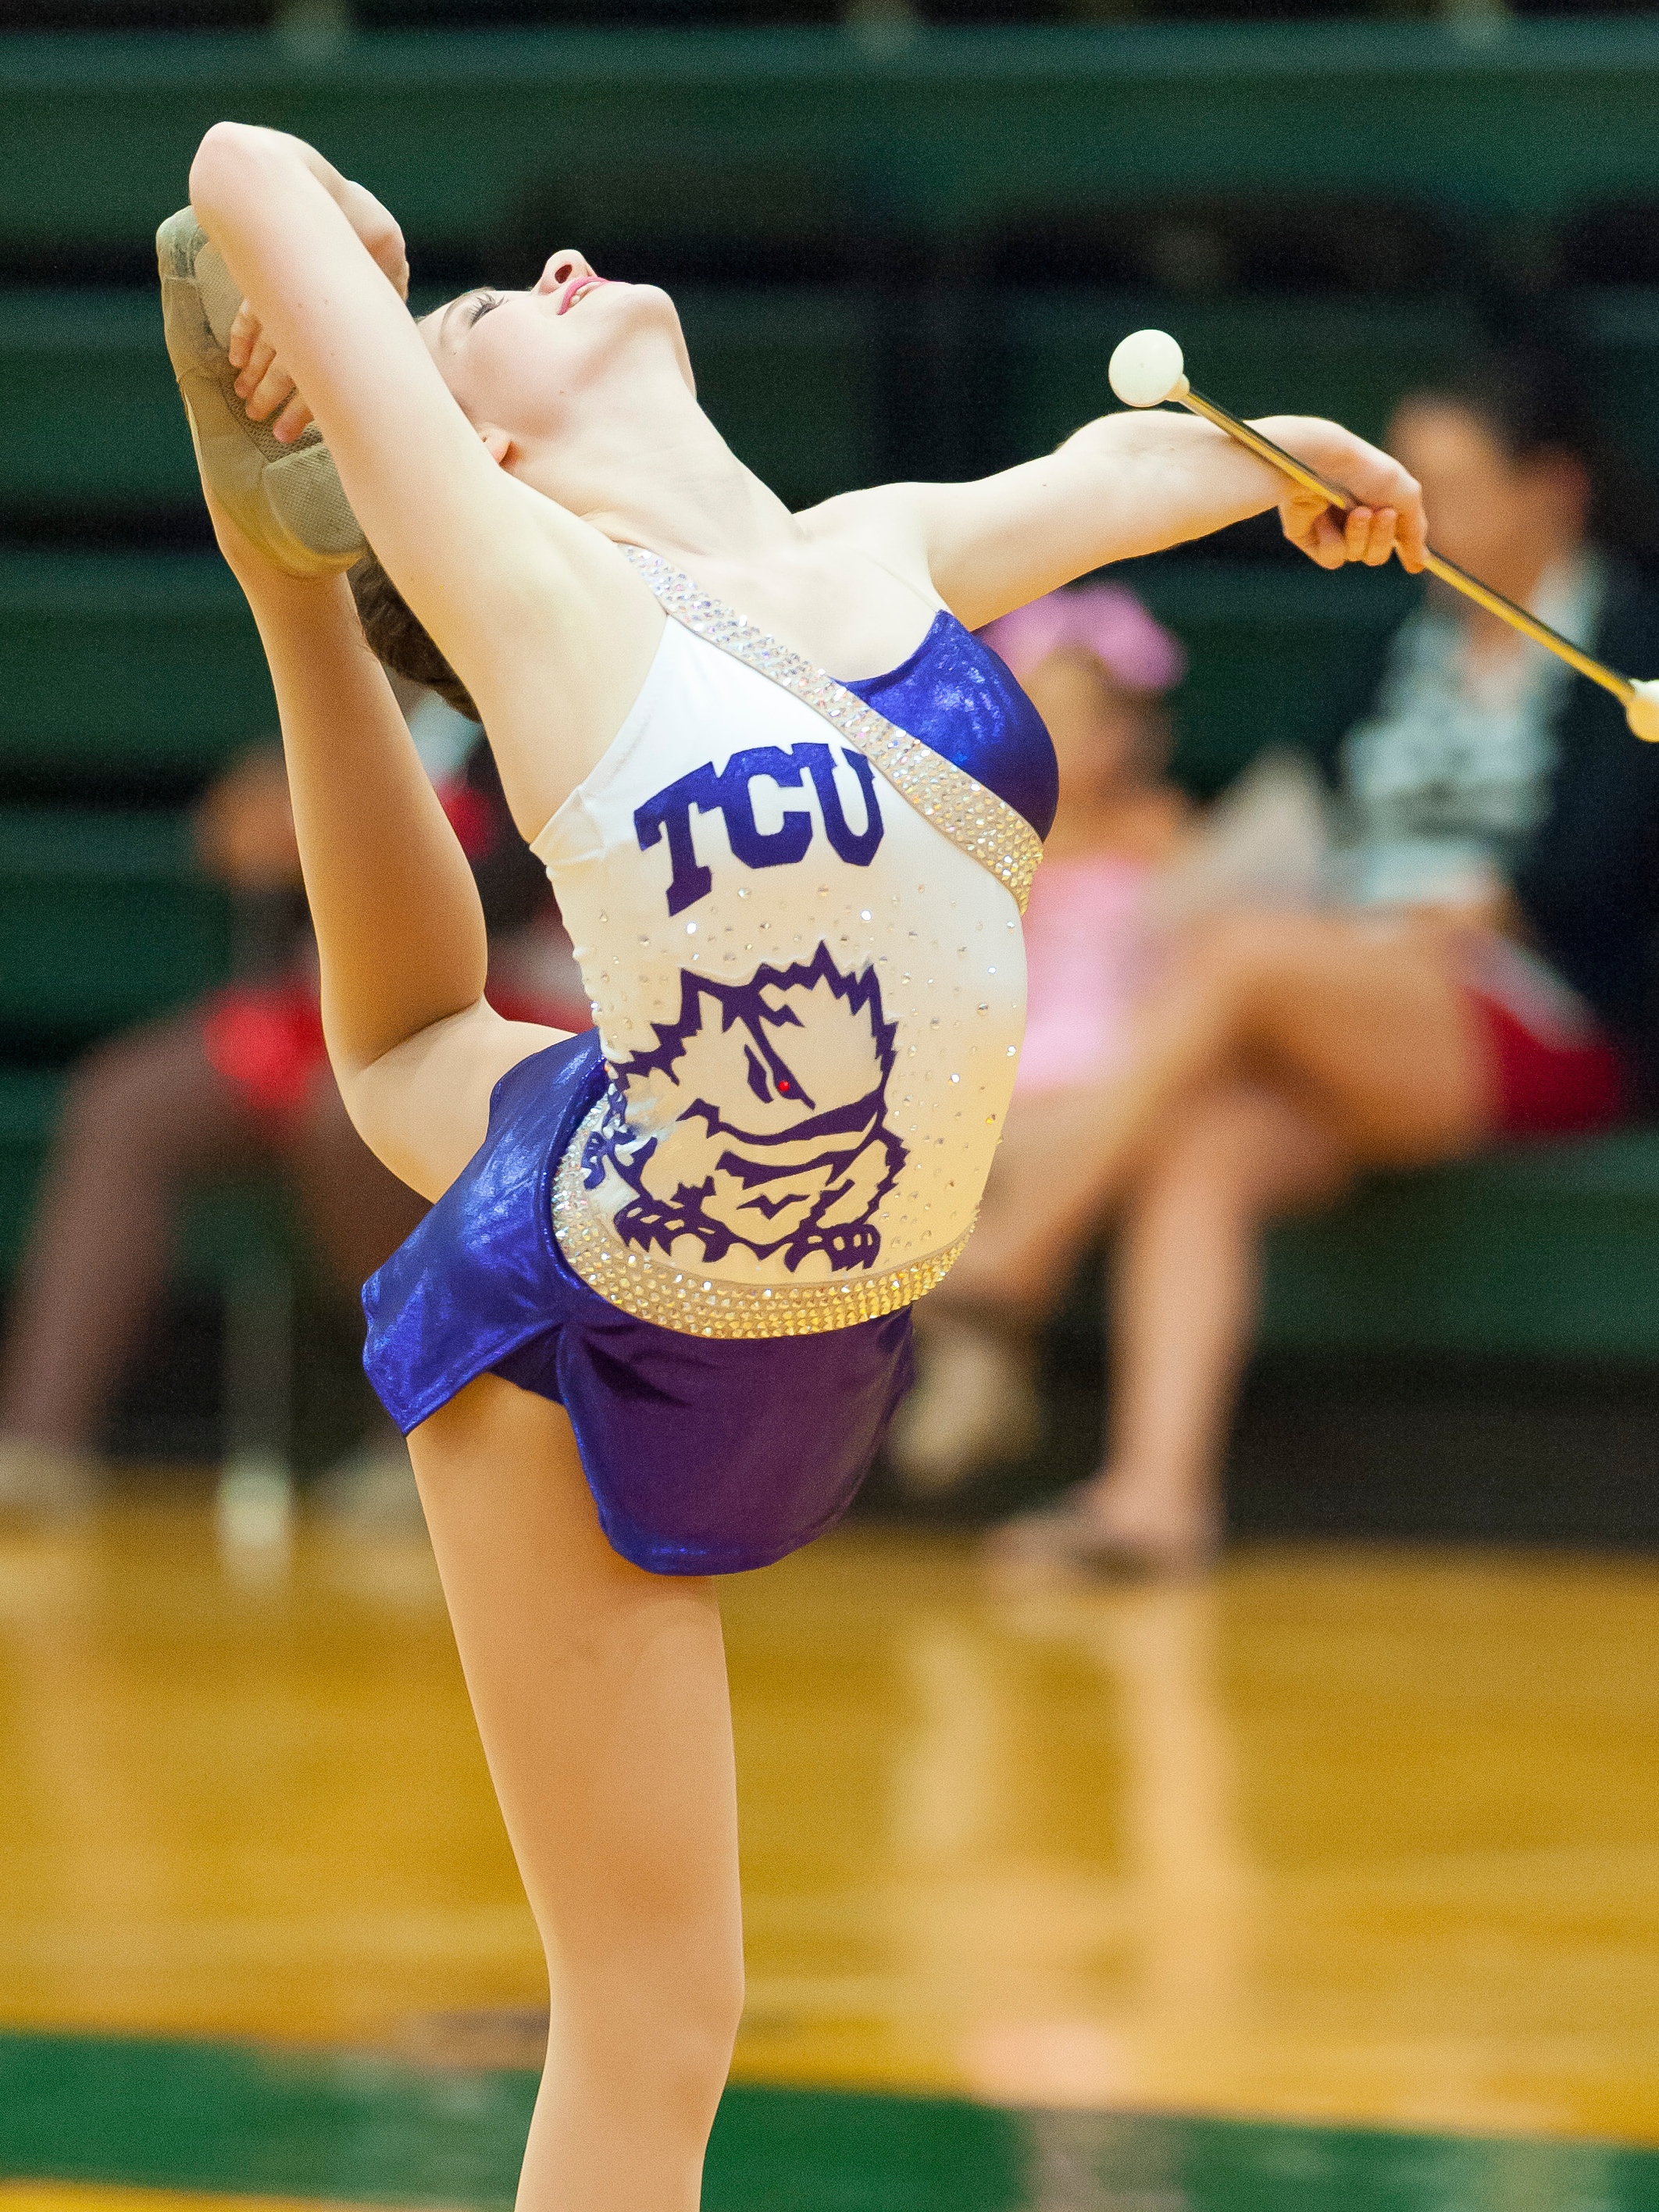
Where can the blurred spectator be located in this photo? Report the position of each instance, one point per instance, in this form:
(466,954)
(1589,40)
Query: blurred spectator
(240,1084)
(1097,665)
(1493,974)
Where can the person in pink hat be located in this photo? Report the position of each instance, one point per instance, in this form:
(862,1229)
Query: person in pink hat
(1097,665)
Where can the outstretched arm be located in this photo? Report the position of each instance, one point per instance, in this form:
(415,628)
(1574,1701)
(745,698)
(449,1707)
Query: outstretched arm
(400,932)
(1128,484)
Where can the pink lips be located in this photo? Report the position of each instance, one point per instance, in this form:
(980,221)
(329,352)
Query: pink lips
(574,290)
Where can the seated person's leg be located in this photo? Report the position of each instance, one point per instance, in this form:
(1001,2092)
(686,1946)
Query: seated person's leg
(356,1211)
(1363,1019)
(143,1114)
(1185,1290)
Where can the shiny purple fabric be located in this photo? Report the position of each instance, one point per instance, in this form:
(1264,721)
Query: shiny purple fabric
(704,1457)
(955,695)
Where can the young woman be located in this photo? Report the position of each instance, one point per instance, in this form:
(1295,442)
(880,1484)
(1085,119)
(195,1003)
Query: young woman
(796,905)
(1493,974)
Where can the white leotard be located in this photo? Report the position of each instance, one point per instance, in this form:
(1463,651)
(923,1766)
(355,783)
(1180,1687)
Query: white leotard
(810,1000)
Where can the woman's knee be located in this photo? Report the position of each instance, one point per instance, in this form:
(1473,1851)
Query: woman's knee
(1245,958)
(700,2030)
(150,1088)
(1248,1148)
(662,2010)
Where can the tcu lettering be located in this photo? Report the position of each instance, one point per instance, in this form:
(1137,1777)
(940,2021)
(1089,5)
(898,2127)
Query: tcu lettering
(729,794)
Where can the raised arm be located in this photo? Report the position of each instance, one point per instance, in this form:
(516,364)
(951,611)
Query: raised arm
(1128,484)
(507,582)
(400,932)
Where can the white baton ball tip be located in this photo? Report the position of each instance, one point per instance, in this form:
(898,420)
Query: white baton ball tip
(1643,712)
(1145,368)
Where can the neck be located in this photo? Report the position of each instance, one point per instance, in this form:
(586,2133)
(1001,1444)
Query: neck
(682,493)
(1490,633)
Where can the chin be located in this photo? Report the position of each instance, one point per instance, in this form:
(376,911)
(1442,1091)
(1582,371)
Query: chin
(649,302)
(649,307)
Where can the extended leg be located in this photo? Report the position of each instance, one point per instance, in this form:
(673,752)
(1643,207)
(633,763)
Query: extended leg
(601,1698)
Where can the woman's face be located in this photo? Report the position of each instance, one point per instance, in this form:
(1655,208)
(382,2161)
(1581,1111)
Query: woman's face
(1107,741)
(529,362)
(1500,517)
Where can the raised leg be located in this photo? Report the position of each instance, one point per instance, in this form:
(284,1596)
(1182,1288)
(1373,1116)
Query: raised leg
(601,1698)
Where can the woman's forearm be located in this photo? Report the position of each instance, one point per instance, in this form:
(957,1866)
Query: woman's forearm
(400,931)
(1173,477)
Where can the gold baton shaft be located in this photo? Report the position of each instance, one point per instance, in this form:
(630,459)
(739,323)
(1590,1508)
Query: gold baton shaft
(1447,571)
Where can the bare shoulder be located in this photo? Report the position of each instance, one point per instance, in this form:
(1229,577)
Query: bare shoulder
(558,654)
(981,547)
(889,523)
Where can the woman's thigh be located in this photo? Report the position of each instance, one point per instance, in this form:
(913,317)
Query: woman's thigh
(1363,1018)
(601,1699)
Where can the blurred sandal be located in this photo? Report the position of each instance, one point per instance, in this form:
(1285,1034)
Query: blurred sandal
(975,1401)
(1085,1530)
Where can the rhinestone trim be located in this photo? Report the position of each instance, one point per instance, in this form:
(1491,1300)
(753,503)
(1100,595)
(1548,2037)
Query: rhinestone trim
(1001,840)
(696,1304)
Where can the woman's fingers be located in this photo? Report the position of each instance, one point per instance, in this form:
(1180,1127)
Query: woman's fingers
(263,384)
(260,356)
(1368,534)
(1314,529)
(244,331)
(294,418)
(1386,488)
(1333,538)
(1411,535)
(274,387)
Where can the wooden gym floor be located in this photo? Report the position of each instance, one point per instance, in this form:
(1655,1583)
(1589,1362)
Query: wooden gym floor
(1332,1884)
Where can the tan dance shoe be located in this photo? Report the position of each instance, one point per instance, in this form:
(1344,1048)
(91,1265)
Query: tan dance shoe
(289,500)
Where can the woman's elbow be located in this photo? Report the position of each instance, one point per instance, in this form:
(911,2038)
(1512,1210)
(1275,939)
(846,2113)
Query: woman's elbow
(227,157)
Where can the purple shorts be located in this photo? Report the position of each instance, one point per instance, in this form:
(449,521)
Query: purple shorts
(705,1456)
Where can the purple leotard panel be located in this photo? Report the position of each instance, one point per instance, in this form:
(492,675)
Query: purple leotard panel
(705,1456)
(957,696)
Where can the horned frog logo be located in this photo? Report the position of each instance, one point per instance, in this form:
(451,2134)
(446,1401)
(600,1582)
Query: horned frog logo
(758,1120)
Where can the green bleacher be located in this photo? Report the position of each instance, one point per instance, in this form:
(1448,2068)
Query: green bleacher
(896,252)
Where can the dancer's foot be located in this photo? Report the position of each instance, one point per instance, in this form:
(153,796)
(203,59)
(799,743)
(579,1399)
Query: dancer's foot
(1108,1526)
(974,1400)
(45,1482)
(288,499)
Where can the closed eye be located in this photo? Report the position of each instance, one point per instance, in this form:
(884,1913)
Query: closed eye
(487,301)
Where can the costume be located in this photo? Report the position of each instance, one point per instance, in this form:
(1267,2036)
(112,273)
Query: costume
(796,906)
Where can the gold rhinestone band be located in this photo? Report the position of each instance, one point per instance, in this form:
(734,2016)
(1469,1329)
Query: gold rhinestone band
(697,1304)
(983,825)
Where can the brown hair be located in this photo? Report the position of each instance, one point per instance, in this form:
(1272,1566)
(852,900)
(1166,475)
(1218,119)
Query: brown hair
(397,638)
